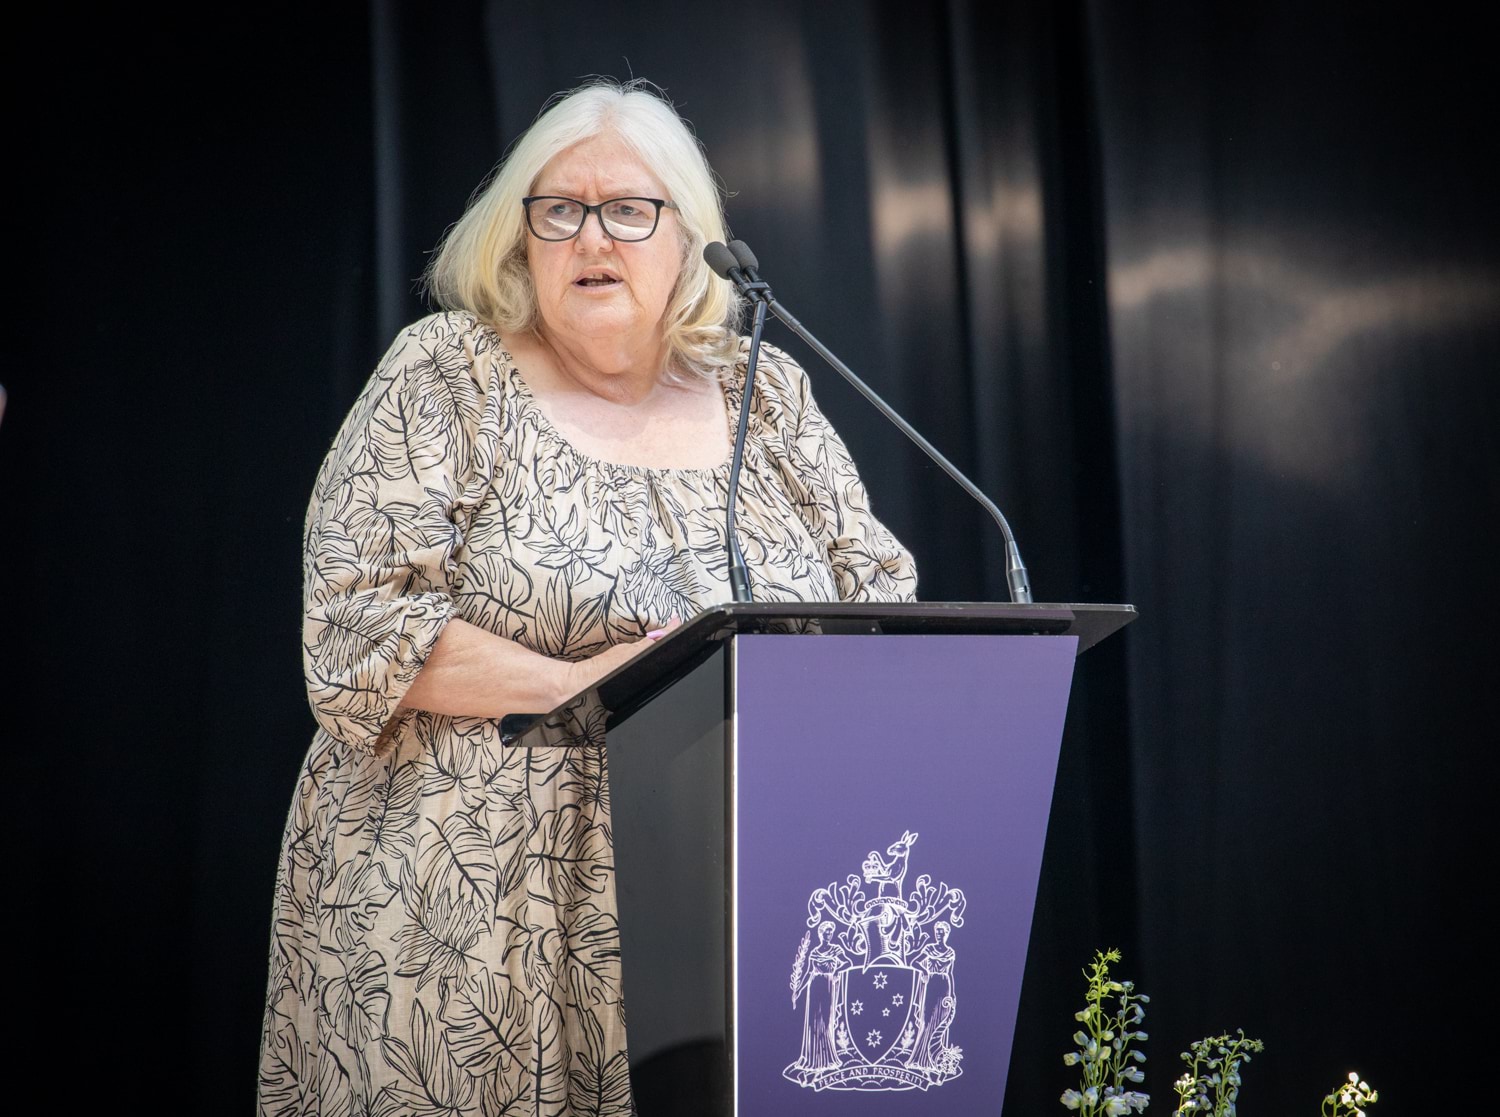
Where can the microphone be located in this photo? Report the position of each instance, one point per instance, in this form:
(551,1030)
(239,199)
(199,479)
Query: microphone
(723,262)
(736,263)
(745,259)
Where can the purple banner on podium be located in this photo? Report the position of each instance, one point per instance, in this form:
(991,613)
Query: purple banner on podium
(890,807)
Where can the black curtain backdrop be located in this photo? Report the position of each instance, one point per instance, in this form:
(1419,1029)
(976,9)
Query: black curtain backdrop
(1205,296)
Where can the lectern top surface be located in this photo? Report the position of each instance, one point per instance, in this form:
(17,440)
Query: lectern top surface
(627,688)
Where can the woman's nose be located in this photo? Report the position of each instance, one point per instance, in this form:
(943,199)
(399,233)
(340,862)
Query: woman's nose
(592,237)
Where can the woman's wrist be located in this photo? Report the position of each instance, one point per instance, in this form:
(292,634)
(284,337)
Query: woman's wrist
(570,680)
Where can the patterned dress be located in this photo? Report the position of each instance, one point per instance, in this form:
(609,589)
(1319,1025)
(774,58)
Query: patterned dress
(444,937)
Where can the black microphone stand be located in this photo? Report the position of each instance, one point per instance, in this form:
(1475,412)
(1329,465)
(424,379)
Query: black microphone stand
(745,275)
(722,261)
(739,574)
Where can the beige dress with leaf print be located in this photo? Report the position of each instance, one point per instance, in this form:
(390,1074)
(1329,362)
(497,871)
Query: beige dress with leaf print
(444,935)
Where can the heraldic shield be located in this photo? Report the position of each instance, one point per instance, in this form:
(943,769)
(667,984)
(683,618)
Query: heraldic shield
(877,1008)
(876,988)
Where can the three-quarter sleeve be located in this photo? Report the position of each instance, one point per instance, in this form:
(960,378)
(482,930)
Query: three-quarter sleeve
(868,562)
(387,515)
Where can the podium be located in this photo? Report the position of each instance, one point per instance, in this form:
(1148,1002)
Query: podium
(828,823)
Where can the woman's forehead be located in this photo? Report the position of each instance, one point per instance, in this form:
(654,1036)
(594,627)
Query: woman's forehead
(603,165)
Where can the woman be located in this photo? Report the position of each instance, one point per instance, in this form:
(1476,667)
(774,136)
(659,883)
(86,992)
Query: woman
(527,493)
(826,964)
(937,1003)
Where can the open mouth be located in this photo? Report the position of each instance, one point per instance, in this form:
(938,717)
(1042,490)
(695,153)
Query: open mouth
(596,279)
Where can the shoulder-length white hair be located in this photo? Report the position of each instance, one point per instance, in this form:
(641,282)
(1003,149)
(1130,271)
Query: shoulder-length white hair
(481,264)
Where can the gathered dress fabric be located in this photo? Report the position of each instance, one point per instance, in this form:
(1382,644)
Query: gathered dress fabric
(444,935)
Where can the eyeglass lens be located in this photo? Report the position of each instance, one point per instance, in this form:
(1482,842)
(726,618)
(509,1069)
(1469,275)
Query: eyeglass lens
(624,218)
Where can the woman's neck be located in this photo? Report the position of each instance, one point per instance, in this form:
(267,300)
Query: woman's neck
(622,410)
(617,369)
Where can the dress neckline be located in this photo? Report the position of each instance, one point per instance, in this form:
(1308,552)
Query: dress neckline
(729,390)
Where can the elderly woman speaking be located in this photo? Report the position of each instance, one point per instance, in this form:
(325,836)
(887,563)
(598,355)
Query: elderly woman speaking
(529,491)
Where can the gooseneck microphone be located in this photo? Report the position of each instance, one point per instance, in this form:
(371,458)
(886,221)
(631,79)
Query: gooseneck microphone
(736,263)
(722,260)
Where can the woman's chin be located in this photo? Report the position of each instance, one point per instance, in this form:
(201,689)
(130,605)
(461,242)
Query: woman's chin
(598,321)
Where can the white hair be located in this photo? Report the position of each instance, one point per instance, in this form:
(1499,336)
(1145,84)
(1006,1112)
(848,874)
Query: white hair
(481,264)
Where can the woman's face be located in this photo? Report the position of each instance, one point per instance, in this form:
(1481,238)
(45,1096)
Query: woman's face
(592,287)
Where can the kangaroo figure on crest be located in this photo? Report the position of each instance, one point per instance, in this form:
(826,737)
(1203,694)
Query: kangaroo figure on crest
(889,875)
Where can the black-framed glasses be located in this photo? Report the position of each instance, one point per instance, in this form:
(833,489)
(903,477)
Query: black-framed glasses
(550,217)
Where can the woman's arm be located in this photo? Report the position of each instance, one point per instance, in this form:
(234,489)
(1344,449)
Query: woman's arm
(474,673)
(381,639)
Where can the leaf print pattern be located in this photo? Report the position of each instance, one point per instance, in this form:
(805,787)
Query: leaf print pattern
(659,584)
(487,1024)
(593,951)
(568,859)
(567,622)
(431,1082)
(496,593)
(438,936)
(444,939)
(287,1070)
(356,1001)
(352,900)
(600,1078)
(392,819)
(462,856)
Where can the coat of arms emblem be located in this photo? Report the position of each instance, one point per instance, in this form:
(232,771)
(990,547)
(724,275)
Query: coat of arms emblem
(876,987)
